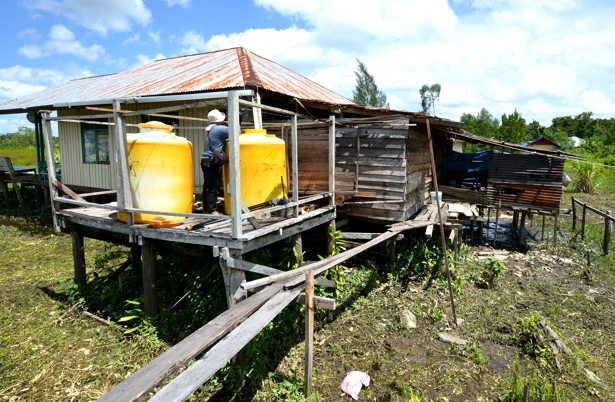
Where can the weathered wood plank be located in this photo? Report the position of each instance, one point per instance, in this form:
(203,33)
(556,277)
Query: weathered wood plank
(156,371)
(191,379)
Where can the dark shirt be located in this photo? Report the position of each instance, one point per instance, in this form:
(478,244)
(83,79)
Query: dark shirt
(217,137)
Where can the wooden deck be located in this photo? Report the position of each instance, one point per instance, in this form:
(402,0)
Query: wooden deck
(204,231)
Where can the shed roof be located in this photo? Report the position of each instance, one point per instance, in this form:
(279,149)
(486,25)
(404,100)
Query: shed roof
(545,141)
(211,71)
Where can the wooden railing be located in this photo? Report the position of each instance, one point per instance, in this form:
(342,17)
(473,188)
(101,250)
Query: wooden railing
(608,222)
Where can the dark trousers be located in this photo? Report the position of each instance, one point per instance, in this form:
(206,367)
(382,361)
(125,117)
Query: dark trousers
(212,175)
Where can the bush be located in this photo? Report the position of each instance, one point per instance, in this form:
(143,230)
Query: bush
(586,177)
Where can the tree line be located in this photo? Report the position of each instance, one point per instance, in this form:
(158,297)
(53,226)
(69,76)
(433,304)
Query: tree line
(22,138)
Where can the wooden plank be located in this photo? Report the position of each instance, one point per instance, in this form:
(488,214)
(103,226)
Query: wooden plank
(67,190)
(309,332)
(191,379)
(156,371)
(320,266)
(325,303)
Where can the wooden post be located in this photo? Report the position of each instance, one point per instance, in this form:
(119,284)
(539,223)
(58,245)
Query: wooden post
(391,251)
(232,277)
(295,163)
(456,244)
(574,215)
(309,332)
(497,218)
(148,262)
(522,228)
(555,229)
(542,233)
(76,236)
(298,248)
(332,159)
(330,236)
(608,228)
(234,166)
(583,220)
(124,193)
(51,169)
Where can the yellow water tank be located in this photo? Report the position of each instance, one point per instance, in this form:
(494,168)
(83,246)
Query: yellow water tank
(262,159)
(161,174)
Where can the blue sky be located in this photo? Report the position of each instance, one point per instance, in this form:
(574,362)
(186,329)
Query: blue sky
(545,58)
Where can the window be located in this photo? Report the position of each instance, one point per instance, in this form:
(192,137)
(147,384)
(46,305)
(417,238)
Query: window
(95,143)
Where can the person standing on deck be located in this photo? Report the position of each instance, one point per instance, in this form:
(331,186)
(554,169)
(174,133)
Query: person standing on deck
(212,158)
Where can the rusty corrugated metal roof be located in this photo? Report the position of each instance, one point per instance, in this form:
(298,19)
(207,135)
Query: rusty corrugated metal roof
(218,70)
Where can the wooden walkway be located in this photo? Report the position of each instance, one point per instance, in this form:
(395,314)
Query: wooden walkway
(224,336)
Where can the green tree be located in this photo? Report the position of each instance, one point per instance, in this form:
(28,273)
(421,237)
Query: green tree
(24,137)
(512,128)
(483,124)
(366,91)
(535,130)
(429,96)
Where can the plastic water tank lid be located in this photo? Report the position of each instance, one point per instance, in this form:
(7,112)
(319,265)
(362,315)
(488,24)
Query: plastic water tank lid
(155,125)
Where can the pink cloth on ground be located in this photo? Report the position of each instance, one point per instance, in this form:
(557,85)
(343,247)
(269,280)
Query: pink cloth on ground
(354,382)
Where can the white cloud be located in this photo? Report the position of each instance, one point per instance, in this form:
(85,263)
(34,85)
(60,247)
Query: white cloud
(181,3)
(154,36)
(192,42)
(145,59)
(100,16)
(136,38)
(29,34)
(62,41)
(598,102)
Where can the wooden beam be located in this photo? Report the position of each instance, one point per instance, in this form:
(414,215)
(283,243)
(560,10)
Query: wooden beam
(203,369)
(67,190)
(124,194)
(51,169)
(320,266)
(148,262)
(234,164)
(309,332)
(332,158)
(76,236)
(295,162)
(156,371)
(232,277)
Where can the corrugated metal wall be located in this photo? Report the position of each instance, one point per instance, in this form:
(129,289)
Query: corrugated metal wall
(77,173)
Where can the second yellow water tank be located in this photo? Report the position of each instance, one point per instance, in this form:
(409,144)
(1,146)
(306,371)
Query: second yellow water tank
(262,160)
(161,174)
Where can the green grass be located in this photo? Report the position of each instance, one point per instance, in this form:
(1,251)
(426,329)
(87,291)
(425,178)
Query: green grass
(25,157)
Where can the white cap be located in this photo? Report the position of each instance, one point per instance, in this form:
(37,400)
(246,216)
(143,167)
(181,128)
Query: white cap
(216,116)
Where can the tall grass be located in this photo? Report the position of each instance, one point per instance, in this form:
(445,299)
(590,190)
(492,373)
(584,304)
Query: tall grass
(586,173)
(25,157)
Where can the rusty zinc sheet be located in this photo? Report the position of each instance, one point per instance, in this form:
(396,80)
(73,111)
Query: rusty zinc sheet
(218,70)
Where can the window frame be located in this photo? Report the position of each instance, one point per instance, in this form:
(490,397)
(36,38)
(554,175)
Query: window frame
(101,133)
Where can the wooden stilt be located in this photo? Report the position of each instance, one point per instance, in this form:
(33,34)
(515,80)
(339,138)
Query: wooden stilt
(148,261)
(574,214)
(542,233)
(522,228)
(330,236)
(135,256)
(495,229)
(608,228)
(5,194)
(583,221)
(555,230)
(232,278)
(309,332)
(392,253)
(298,248)
(76,236)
